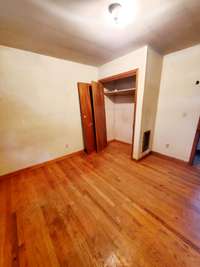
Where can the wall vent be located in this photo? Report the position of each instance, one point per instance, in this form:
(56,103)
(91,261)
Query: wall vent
(146,139)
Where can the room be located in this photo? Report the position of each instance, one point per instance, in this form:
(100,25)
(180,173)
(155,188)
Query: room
(100,133)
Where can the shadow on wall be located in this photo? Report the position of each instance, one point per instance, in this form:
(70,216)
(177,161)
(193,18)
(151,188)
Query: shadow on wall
(126,99)
(29,136)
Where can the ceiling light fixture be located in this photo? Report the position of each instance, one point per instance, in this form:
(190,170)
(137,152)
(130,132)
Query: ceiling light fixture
(123,12)
(115,10)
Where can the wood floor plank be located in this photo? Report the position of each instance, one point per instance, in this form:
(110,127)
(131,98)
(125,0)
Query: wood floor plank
(150,229)
(36,247)
(59,200)
(97,239)
(102,210)
(174,212)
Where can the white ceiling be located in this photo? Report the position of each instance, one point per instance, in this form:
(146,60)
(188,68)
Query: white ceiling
(80,30)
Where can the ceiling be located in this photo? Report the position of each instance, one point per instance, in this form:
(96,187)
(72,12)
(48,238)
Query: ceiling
(80,30)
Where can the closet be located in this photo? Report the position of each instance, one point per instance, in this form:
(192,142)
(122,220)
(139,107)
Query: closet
(120,98)
(108,110)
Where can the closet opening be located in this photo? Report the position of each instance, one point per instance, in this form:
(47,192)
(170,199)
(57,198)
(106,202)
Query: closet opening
(93,115)
(108,111)
(120,107)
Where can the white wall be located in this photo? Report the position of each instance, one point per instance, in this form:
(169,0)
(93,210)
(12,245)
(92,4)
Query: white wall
(131,61)
(110,117)
(120,111)
(151,92)
(119,118)
(39,108)
(179,104)
(124,114)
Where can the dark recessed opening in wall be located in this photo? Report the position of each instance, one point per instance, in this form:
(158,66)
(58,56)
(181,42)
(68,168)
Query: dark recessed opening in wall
(196,161)
(195,152)
(146,138)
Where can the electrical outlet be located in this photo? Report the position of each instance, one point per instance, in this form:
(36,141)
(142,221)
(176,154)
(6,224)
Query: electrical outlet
(167,145)
(67,146)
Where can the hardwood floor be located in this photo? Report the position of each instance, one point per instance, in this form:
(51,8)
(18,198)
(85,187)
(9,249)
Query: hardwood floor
(102,210)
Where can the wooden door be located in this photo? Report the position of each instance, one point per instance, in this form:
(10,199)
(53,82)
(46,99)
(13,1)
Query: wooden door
(87,116)
(99,115)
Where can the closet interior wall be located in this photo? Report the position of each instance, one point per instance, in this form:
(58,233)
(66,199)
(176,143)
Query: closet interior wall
(119,108)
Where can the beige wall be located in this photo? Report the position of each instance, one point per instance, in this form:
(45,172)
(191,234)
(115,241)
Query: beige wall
(39,105)
(119,118)
(120,111)
(39,108)
(179,104)
(131,61)
(110,117)
(151,92)
(124,114)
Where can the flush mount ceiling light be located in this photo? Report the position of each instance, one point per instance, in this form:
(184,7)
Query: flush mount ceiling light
(122,13)
(115,10)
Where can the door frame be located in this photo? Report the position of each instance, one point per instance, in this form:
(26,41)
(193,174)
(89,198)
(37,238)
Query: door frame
(127,74)
(195,143)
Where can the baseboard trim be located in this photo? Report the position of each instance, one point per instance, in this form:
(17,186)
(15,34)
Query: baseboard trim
(110,141)
(39,165)
(144,156)
(118,141)
(163,156)
(125,143)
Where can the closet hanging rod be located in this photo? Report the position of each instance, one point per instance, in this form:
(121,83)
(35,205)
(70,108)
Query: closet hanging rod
(120,92)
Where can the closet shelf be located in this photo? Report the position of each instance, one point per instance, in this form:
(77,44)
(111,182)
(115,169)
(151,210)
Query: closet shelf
(120,92)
